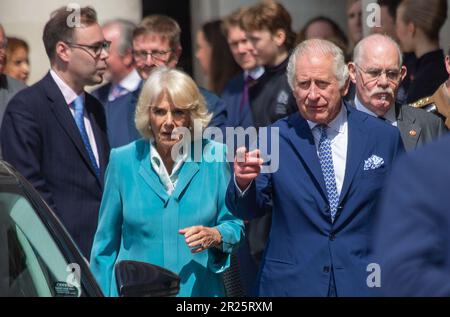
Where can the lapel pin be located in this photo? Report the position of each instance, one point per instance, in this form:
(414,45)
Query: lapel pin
(412,133)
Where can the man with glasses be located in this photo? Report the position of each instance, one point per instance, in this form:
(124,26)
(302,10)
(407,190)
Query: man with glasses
(8,86)
(54,133)
(377,72)
(121,74)
(156,42)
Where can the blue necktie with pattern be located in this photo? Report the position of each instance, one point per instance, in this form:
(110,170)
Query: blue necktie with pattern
(79,120)
(326,163)
(116,92)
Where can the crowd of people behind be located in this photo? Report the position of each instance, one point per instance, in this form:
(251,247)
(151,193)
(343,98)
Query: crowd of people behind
(117,165)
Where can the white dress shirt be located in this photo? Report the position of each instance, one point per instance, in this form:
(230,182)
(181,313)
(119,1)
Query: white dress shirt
(389,116)
(69,97)
(337,132)
(255,73)
(168,181)
(129,84)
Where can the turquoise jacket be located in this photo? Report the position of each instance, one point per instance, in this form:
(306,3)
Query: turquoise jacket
(139,221)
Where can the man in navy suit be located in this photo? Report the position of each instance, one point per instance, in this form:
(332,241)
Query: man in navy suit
(54,133)
(156,42)
(413,229)
(332,164)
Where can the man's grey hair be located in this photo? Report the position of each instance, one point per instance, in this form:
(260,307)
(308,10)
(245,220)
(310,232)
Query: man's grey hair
(126,29)
(322,48)
(375,38)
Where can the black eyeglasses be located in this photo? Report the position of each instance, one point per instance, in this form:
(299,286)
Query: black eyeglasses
(374,74)
(141,55)
(96,48)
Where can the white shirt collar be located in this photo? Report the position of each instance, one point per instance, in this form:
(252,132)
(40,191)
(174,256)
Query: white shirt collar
(255,73)
(67,92)
(337,124)
(131,81)
(389,115)
(169,181)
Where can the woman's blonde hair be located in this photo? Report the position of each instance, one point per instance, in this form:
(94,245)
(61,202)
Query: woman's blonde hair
(181,90)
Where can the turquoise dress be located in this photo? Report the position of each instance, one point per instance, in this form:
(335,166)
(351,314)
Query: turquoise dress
(139,221)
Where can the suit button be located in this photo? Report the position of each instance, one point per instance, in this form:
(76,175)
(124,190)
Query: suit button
(332,237)
(326,269)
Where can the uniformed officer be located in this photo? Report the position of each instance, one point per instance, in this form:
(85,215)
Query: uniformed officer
(439,102)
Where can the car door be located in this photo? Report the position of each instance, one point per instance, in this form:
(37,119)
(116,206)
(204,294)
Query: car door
(37,257)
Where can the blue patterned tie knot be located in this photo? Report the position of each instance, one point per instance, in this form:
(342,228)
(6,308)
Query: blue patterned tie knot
(79,120)
(116,92)
(326,163)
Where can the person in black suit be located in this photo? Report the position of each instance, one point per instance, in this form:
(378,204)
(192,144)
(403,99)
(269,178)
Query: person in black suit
(54,133)
(418,25)
(377,71)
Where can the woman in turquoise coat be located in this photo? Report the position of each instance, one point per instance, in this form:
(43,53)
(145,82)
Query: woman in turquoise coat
(163,202)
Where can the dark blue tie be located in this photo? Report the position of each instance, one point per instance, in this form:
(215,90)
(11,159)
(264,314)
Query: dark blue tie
(326,163)
(79,120)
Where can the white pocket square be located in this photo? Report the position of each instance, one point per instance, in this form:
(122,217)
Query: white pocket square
(373,162)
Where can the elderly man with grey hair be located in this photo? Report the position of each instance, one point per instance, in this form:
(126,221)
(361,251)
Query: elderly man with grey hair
(121,74)
(377,72)
(333,160)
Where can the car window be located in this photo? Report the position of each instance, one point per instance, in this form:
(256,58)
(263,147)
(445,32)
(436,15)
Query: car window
(31,264)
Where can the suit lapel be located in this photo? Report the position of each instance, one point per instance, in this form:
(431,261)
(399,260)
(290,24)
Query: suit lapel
(131,111)
(187,172)
(62,113)
(409,130)
(303,142)
(356,147)
(149,175)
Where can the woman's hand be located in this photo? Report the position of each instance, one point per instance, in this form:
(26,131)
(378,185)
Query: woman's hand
(200,238)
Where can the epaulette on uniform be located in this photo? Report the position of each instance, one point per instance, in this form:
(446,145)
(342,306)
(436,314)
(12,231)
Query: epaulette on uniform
(426,104)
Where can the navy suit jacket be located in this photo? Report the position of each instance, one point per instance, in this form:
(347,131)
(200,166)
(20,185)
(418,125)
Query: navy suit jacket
(102,93)
(40,138)
(120,116)
(238,114)
(413,230)
(304,246)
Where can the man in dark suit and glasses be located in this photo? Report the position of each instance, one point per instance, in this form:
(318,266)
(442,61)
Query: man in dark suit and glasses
(55,134)
(377,71)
